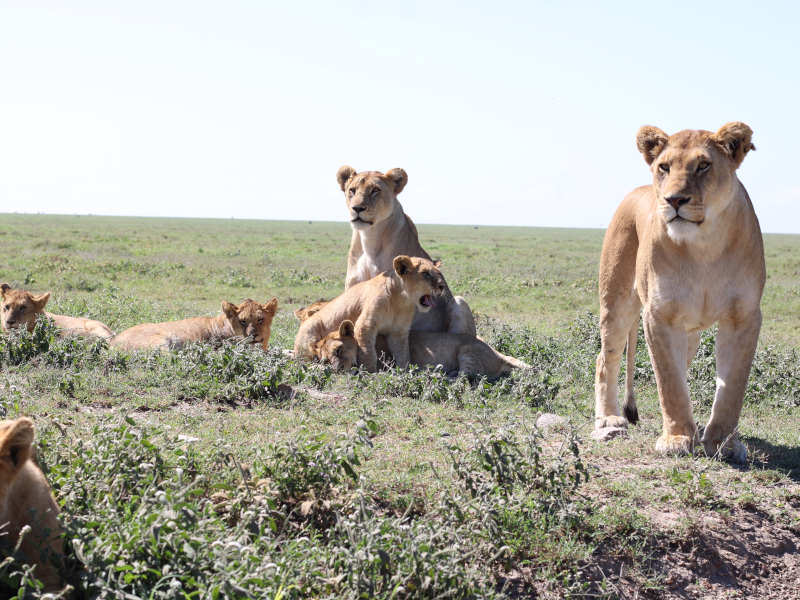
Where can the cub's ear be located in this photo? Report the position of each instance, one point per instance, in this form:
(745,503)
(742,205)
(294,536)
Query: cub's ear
(347,329)
(437,263)
(229,309)
(40,301)
(402,264)
(399,179)
(15,446)
(4,287)
(272,305)
(734,140)
(651,141)
(344,174)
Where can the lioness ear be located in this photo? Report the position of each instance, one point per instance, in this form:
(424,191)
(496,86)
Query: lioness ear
(40,301)
(344,174)
(4,287)
(347,329)
(229,309)
(651,141)
(437,263)
(271,305)
(399,179)
(402,264)
(16,445)
(734,140)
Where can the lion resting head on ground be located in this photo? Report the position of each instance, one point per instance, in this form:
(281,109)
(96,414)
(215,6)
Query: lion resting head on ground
(381,231)
(248,319)
(384,305)
(687,252)
(21,309)
(26,499)
(339,348)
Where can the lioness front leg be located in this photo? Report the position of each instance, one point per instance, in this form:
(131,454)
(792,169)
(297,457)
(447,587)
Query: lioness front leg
(366,335)
(668,348)
(398,346)
(735,347)
(615,323)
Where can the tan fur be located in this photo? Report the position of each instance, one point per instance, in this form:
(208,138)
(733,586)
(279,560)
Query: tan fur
(26,499)
(303,313)
(685,274)
(21,309)
(249,319)
(385,305)
(381,231)
(457,353)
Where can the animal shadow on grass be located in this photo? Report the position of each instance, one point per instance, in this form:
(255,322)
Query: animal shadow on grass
(780,457)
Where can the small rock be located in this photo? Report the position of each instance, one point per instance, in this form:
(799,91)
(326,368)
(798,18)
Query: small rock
(188,438)
(608,433)
(548,420)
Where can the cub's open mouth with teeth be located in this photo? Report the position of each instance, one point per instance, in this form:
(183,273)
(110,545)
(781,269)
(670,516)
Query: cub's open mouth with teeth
(427,301)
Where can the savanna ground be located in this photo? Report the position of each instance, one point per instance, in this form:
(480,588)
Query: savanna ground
(222,471)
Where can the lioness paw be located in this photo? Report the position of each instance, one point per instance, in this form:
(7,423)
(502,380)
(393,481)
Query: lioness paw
(675,445)
(610,421)
(733,450)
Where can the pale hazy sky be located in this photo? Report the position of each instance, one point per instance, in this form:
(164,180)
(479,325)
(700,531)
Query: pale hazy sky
(509,113)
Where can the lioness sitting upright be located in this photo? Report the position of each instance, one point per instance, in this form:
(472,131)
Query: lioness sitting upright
(384,305)
(26,499)
(687,250)
(381,231)
(249,319)
(21,309)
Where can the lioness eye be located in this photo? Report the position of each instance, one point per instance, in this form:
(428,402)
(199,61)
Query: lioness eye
(703,166)
(352,191)
(242,322)
(663,167)
(338,351)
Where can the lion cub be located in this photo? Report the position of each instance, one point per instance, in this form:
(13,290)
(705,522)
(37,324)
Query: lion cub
(21,309)
(457,353)
(26,499)
(249,319)
(385,304)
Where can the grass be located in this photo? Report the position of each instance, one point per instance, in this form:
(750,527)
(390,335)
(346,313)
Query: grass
(226,472)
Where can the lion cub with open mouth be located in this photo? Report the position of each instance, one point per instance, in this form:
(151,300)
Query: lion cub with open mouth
(21,309)
(26,499)
(385,305)
(248,319)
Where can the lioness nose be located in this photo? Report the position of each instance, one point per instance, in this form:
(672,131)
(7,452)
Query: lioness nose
(10,322)
(359,209)
(677,201)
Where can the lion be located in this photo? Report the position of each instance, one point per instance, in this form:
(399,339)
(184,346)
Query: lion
(26,500)
(249,319)
(456,353)
(384,305)
(21,309)
(686,251)
(381,231)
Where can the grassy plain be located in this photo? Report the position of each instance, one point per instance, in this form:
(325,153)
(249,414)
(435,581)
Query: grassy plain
(227,472)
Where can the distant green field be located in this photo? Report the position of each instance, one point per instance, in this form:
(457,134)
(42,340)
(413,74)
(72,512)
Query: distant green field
(227,472)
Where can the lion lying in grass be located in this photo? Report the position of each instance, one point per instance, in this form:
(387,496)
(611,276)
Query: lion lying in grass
(457,353)
(21,309)
(384,305)
(26,499)
(248,319)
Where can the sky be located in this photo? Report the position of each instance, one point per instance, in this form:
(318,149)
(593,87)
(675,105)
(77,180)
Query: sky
(501,113)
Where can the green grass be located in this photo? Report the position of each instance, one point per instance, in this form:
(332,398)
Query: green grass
(225,471)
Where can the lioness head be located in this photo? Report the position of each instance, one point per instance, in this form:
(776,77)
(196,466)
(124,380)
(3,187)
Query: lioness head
(251,319)
(694,173)
(16,438)
(339,348)
(20,308)
(422,279)
(371,196)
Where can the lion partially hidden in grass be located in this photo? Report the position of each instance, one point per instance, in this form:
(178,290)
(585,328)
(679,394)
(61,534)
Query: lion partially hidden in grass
(20,309)
(384,305)
(26,500)
(686,251)
(248,319)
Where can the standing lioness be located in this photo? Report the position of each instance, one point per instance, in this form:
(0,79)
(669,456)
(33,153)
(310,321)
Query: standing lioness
(687,251)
